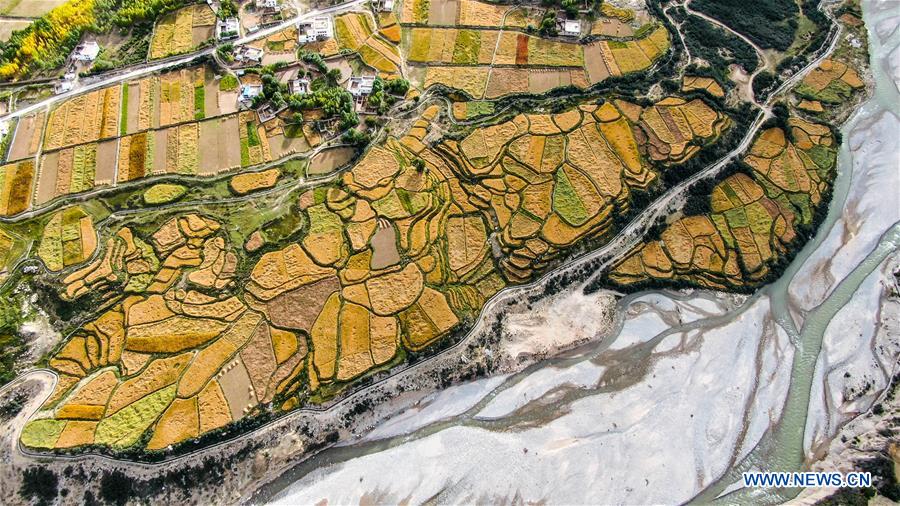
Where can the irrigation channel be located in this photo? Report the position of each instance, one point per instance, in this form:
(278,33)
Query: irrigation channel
(423,457)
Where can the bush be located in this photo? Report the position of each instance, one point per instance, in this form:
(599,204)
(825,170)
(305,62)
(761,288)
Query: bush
(115,488)
(39,484)
(768,23)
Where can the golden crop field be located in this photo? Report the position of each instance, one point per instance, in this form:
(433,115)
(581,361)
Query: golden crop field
(85,118)
(183,30)
(492,64)
(16,181)
(354,31)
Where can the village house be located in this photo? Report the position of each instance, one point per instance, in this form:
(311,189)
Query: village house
(385,5)
(87,52)
(317,29)
(267,4)
(228,28)
(360,87)
(248,93)
(248,54)
(570,27)
(299,86)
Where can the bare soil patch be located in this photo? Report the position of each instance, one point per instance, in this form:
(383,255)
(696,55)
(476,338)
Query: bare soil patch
(106,162)
(28,132)
(384,247)
(328,160)
(299,308)
(160,142)
(442,12)
(593,62)
(47,183)
(236,387)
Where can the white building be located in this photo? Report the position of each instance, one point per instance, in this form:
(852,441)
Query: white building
(86,52)
(249,92)
(299,86)
(64,86)
(571,28)
(267,4)
(360,85)
(387,5)
(319,28)
(247,54)
(228,28)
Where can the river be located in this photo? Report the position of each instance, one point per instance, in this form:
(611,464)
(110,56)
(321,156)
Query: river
(686,391)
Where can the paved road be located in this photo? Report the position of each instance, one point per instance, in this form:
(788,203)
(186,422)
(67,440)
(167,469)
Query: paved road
(149,68)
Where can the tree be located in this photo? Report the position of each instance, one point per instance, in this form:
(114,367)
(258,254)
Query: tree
(227,9)
(333,76)
(548,24)
(39,483)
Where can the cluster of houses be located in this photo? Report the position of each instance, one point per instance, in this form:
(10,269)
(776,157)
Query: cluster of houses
(83,56)
(314,30)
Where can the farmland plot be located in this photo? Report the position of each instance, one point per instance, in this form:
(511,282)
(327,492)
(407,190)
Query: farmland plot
(85,118)
(68,239)
(28,134)
(183,30)
(16,181)
(354,31)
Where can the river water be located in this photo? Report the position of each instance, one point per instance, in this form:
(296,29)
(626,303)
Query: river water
(686,392)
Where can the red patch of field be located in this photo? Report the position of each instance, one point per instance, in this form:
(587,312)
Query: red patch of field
(521,49)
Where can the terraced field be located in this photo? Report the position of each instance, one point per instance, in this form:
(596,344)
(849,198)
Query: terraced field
(393,257)
(354,32)
(754,220)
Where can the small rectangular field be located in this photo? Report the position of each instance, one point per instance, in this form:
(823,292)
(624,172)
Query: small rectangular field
(180,31)
(15,187)
(28,8)
(27,138)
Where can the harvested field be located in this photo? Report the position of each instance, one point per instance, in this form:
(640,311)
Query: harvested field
(708,84)
(384,248)
(328,160)
(28,134)
(221,150)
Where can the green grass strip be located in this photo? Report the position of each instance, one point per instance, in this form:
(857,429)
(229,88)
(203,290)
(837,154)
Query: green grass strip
(123,120)
(199,102)
(252,136)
